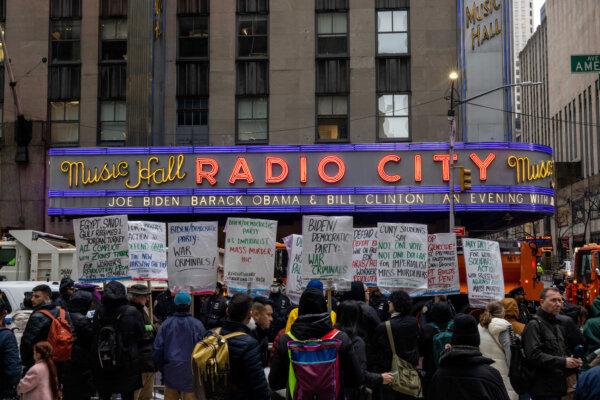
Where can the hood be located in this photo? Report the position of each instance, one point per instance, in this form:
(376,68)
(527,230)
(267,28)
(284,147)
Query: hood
(497,326)
(312,301)
(65,283)
(80,302)
(312,326)
(511,309)
(115,294)
(464,356)
(440,314)
(357,292)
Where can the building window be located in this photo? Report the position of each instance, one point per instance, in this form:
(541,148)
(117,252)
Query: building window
(392,120)
(193,37)
(113,8)
(252,119)
(113,126)
(393,74)
(252,6)
(332,118)
(65,9)
(252,36)
(192,122)
(332,34)
(114,40)
(65,36)
(392,32)
(64,118)
(187,7)
(331,5)
(113,81)
(252,77)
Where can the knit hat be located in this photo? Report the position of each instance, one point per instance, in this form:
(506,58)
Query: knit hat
(465,331)
(312,301)
(315,284)
(182,298)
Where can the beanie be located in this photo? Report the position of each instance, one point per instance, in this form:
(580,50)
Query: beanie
(183,298)
(312,301)
(465,331)
(315,284)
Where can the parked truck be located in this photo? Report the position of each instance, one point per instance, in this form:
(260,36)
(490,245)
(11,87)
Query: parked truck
(584,281)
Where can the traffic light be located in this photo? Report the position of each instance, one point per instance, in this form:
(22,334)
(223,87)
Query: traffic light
(465,179)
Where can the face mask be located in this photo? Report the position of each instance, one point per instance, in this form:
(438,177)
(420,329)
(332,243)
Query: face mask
(252,324)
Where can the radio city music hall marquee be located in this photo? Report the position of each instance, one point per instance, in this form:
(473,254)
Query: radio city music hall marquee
(296,179)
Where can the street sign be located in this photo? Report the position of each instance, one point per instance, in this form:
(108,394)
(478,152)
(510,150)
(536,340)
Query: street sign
(585,63)
(459,230)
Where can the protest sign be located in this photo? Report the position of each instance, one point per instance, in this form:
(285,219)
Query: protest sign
(327,248)
(442,272)
(193,256)
(364,256)
(294,286)
(102,248)
(249,255)
(402,257)
(147,250)
(485,279)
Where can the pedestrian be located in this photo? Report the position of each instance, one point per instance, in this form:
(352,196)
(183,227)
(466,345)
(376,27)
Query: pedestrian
(369,320)
(66,290)
(423,317)
(511,314)
(262,314)
(173,348)
(119,331)
(314,322)
(440,317)
(41,380)
(494,334)
(247,379)
(164,306)
(588,384)
(518,294)
(10,362)
(281,307)
(214,308)
(77,373)
(349,313)
(293,315)
(139,297)
(379,302)
(591,329)
(464,373)
(405,331)
(546,349)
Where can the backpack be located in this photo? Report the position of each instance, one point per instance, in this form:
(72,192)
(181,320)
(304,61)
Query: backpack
(314,367)
(60,335)
(210,365)
(109,347)
(406,378)
(440,340)
(520,373)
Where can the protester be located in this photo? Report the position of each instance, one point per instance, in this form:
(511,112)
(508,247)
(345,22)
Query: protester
(173,348)
(423,315)
(164,306)
(41,380)
(10,362)
(214,308)
(378,301)
(440,316)
(546,349)
(518,294)
(262,313)
(588,384)
(281,307)
(117,369)
(66,290)
(293,315)
(313,322)
(464,374)
(369,320)
(139,297)
(494,334)
(77,374)
(405,331)
(511,314)
(569,323)
(591,329)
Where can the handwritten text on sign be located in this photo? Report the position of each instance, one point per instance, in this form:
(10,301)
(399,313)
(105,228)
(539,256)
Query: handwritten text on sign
(295,285)
(485,278)
(364,256)
(102,248)
(442,275)
(147,250)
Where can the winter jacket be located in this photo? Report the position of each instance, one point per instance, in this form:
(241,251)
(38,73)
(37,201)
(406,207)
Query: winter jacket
(495,344)
(147,340)
(281,307)
(213,311)
(524,314)
(173,348)
(464,374)
(591,329)
(406,339)
(546,350)
(262,337)
(380,304)
(511,314)
(10,363)
(588,385)
(247,379)
(35,385)
(293,316)
(369,379)
(116,311)
(571,332)
(164,306)
(314,326)
(63,299)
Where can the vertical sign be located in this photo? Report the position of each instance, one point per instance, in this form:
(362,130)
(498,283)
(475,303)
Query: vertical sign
(327,248)
(364,256)
(402,257)
(249,254)
(442,272)
(148,250)
(294,286)
(483,264)
(193,254)
(102,248)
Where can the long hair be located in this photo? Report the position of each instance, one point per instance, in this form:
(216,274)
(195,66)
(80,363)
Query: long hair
(44,349)
(348,315)
(495,309)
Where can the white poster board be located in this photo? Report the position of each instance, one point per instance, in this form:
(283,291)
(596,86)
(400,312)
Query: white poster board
(249,255)
(193,256)
(102,248)
(327,249)
(148,250)
(364,256)
(485,278)
(295,285)
(442,275)
(402,257)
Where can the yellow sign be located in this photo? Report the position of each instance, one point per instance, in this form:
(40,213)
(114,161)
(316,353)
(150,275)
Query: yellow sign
(527,172)
(481,30)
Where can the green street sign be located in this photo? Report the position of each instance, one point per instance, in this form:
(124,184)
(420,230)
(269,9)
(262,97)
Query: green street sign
(585,63)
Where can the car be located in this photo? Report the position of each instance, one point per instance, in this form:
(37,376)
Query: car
(16,291)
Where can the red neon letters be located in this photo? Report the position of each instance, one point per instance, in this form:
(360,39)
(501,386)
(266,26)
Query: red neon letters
(381,168)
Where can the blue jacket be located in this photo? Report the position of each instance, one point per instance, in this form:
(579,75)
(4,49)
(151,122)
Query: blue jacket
(10,363)
(588,385)
(173,348)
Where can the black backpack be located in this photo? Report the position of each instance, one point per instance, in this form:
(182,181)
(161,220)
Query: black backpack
(216,312)
(109,345)
(520,372)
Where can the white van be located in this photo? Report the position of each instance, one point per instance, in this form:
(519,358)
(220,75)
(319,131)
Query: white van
(15,291)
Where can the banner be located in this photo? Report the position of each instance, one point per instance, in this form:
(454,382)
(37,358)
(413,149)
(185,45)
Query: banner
(485,279)
(294,286)
(193,256)
(147,250)
(402,257)
(364,256)
(327,249)
(250,255)
(442,272)
(102,248)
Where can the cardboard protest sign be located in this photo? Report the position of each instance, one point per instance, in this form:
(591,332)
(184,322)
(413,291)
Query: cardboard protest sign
(364,256)
(402,257)
(193,256)
(442,275)
(102,248)
(147,250)
(485,279)
(327,248)
(249,254)
(295,285)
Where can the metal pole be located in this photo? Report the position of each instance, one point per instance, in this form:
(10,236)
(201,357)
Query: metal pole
(11,76)
(451,118)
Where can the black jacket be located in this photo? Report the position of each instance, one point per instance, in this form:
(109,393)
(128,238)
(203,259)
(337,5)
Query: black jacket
(546,350)
(380,304)
(116,311)
(247,379)
(213,311)
(464,374)
(262,337)
(281,308)
(406,339)
(314,326)
(164,306)
(369,379)
(572,334)
(10,364)
(147,342)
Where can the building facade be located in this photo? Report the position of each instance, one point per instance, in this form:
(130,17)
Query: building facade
(522,20)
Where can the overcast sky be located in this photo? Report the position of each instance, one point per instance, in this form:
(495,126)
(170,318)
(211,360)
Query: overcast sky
(537,5)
